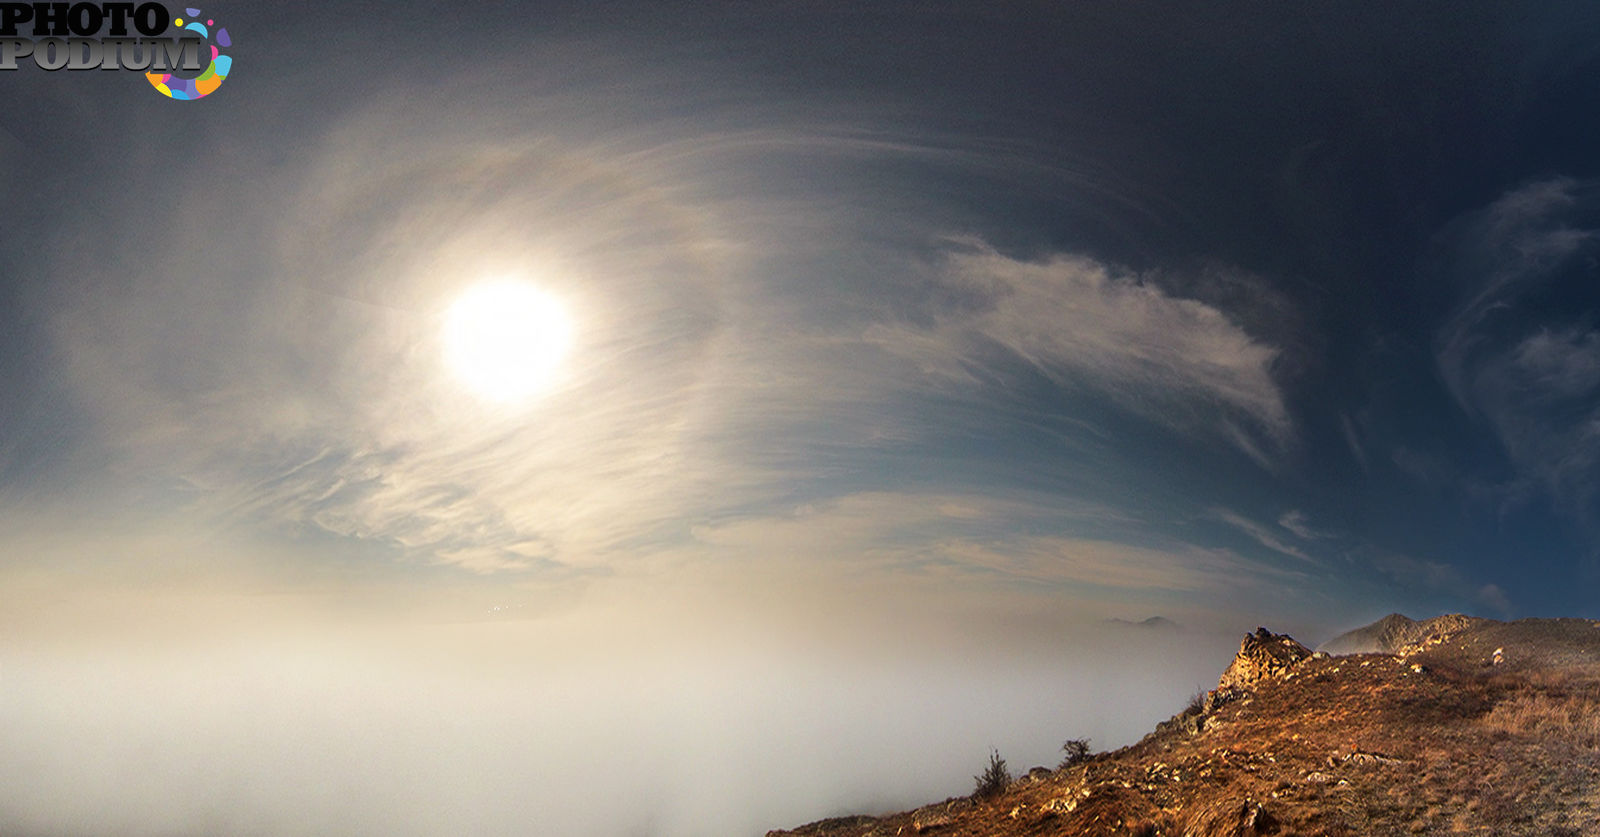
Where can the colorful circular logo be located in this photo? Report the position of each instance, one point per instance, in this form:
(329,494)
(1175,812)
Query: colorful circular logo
(215,73)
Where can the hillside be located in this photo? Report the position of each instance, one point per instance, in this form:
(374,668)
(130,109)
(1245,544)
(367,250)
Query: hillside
(1395,631)
(1470,726)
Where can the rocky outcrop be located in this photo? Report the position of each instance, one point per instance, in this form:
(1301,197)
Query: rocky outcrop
(1192,720)
(1262,656)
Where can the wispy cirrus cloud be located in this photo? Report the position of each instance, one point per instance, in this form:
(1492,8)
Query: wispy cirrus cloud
(1517,356)
(988,543)
(1505,252)
(1176,361)
(307,391)
(1352,440)
(1261,534)
(1540,394)
(1296,521)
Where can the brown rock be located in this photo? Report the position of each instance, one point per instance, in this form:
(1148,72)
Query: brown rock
(1262,655)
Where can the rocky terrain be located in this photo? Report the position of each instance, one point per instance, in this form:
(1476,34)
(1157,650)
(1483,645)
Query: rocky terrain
(1454,725)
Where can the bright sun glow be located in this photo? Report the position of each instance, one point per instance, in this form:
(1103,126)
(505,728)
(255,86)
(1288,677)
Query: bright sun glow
(506,339)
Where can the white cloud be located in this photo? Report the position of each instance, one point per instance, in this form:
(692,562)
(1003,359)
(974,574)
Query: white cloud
(1260,534)
(1177,361)
(979,541)
(1294,520)
(1539,395)
(1109,566)
(1505,251)
(1528,369)
(1559,364)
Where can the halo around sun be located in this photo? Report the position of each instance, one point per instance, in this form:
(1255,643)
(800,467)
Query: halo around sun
(505,339)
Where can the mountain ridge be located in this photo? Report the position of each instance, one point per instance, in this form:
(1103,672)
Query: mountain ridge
(1395,631)
(1154,623)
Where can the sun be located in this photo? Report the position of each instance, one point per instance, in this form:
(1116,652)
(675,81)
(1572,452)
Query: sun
(506,339)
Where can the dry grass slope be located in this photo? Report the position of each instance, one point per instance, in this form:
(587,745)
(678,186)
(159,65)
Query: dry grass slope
(1437,739)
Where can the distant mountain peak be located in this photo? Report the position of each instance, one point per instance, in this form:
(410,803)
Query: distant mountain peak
(1159,623)
(1395,631)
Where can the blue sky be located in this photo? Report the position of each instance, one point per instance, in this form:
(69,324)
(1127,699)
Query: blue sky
(924,321)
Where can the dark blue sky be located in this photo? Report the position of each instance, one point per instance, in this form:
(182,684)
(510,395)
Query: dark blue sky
(1234,312)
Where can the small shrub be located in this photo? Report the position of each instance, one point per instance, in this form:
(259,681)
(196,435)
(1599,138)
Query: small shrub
(1076,752)
(994,778)
(1197,702)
